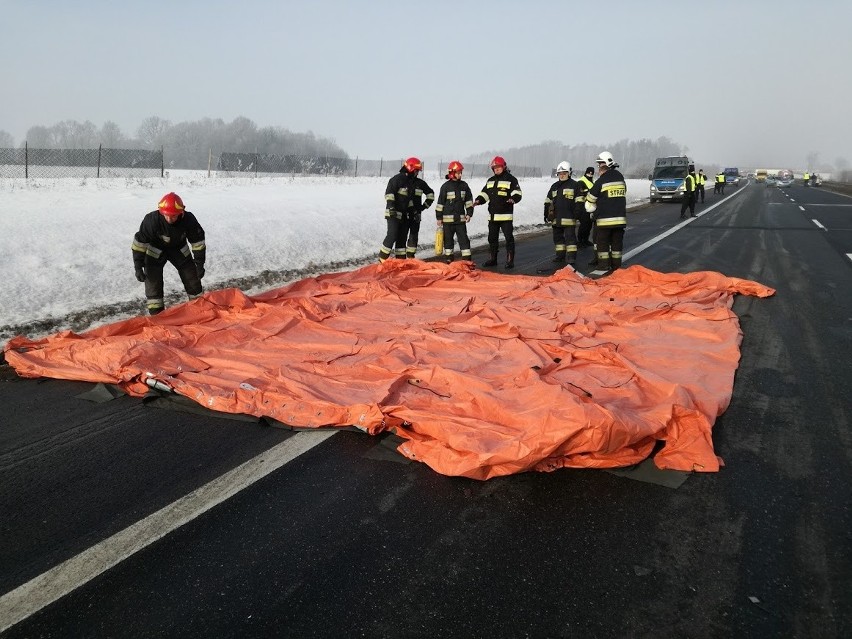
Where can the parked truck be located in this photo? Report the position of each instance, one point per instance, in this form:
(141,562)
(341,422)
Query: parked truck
(668,177)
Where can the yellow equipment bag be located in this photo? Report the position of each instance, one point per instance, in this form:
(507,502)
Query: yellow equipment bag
(439,241)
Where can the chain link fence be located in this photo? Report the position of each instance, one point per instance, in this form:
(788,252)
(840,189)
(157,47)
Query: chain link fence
(64,163)
(102,162)
(240,164)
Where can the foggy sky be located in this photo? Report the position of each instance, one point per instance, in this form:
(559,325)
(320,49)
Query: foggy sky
(747,83)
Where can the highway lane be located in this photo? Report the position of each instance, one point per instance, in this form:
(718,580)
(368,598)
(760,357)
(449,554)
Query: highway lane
(349,539)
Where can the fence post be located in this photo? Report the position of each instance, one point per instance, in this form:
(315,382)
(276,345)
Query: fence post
(326,166)
(26,160)
(381,164)
(356,166)
(162,162)
(209,160)
(255,162)
(99,161)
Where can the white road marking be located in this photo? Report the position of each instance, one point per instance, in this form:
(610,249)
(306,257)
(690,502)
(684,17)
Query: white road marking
(819,225)
(29,598)
(829,204)
(677,227)
(849,255)
(802,208)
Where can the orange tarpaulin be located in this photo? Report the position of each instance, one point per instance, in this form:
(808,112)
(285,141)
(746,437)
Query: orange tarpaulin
(482,373)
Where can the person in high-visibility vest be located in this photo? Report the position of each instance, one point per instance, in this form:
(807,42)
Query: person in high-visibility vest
(700,179)
(584,184)
(688,194)
(807,178)
(720,183)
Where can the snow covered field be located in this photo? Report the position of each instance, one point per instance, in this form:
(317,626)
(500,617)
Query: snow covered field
(65,259)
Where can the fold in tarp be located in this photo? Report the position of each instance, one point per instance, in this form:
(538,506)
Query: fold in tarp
(482,374)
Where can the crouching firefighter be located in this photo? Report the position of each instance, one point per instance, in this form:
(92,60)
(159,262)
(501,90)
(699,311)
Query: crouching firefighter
(169,234)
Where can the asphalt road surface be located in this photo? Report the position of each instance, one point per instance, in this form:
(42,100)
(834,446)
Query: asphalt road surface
(127,519)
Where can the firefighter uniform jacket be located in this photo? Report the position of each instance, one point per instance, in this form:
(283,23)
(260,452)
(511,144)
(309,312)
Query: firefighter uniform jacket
(454,202)
(560,202)
(160,241)
(497,191)
(584,184)
(609,195)
(404,196)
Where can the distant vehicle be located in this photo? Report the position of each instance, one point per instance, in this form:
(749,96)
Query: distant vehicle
(770,180)
(816,180)
(668,177)
(732,176)
(760,175)
(784,181)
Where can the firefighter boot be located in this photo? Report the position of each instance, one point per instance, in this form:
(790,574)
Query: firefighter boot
(492,261)
(510,259)
(560,257)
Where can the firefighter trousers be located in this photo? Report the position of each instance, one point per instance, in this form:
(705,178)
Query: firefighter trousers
(494,228)
(451,231)
(154,277)
(609,241)
(394,242)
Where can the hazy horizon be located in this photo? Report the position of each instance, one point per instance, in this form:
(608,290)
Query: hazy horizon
(739,83)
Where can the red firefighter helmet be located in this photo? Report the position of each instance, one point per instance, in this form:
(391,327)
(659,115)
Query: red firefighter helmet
(171,205)
(413,164)
(498,161)
(455,167)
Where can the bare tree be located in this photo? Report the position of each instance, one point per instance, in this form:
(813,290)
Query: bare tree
(111,136)
(6,140)
(39,137)
(153,132)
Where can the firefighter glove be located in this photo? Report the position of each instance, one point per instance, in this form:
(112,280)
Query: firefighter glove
(140,274)
(199,266)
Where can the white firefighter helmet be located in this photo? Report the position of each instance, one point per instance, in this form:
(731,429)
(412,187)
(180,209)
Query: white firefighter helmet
(563,167)
(606,158)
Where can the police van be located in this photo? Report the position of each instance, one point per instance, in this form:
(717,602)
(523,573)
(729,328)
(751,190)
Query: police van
(667,180)
(732,176)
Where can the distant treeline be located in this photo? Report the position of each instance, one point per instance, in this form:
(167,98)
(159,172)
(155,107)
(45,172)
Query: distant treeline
(187,145)
(635,157)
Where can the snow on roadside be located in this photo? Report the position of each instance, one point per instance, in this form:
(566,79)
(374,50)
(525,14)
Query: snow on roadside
(65,243)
